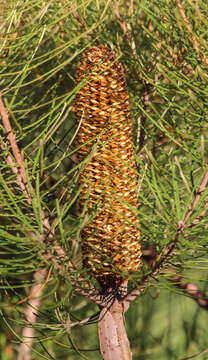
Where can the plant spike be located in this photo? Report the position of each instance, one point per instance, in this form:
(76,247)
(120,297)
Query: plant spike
(108,180)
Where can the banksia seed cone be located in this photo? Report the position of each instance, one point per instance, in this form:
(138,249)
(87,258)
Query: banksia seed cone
(110,239)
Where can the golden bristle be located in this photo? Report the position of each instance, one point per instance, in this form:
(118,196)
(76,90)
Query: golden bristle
(108,180)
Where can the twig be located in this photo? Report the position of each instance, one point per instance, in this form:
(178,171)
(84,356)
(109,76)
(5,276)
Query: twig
(168,252)
(18,168)
(202,187)
(78,18)
(150,255)
(69,324)
(198,218)
(49,231)
(122,23)
(192,37)
(192,290)
(11,138)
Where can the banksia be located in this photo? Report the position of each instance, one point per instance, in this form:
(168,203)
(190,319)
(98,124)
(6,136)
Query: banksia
(108,181)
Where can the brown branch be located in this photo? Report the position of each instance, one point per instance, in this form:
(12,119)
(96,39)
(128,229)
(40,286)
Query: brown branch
(192,37)
(156,269)
(18,168)
(121,22)
(78,18)
(89,291)
(202,187)
(191,289)
(150,256)
(92,318)
(11,138)
(169,251)
(198,218)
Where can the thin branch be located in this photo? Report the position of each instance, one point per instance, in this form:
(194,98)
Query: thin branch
(78,18)
(169,251)
(167,254)
(121,22)
(192,290)
(92,318)
(192,37)
(202,187)
(11,139)
(18,168)
(198,218)
(91,292)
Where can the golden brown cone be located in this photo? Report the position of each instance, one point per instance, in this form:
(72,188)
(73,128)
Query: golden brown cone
(108,180)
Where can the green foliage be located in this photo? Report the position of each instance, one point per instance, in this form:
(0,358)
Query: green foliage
(40,46)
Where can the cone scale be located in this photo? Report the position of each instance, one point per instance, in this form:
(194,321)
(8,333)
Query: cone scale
(108,181)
